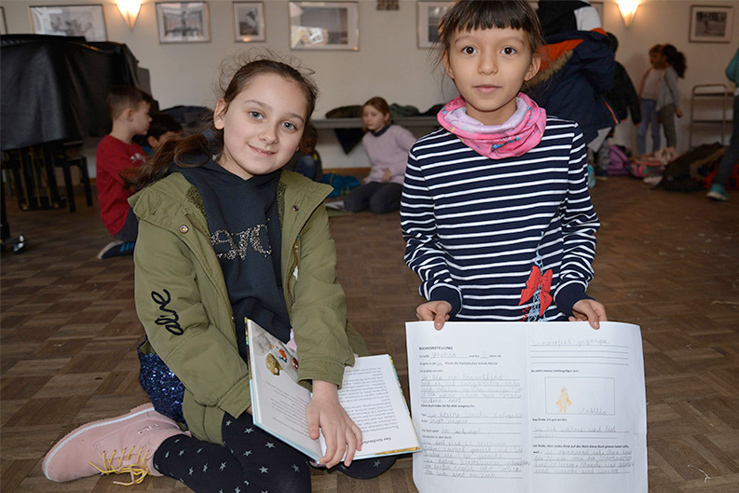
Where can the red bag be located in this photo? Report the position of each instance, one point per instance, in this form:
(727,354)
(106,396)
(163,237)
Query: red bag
(644,168)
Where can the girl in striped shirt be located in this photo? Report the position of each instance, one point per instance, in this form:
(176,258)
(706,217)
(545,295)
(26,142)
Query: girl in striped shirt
(495,210)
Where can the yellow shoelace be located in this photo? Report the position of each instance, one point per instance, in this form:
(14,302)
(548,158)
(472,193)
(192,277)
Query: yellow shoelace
(137,468)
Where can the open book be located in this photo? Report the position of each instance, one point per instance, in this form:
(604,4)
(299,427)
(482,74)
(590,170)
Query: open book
(370,394)
(528,407)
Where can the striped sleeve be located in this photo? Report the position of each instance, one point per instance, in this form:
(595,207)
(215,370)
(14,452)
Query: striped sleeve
(423,252)
(579,224)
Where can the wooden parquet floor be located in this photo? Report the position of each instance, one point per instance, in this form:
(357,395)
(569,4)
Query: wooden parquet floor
(666,261)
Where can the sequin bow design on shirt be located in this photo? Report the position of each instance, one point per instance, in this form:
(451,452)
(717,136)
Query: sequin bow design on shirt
(538,288)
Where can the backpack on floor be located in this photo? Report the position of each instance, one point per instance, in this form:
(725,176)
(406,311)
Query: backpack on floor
(618,163)
(643,170)
(689,172)
(341,183)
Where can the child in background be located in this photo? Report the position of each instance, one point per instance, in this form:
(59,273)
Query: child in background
(387,147)
(162,128)
(668,102)
(117,155)
(307,161)
(226,234)
(649,93)
(718,191)
(496,212)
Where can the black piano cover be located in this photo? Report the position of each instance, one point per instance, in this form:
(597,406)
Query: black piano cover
(54,87)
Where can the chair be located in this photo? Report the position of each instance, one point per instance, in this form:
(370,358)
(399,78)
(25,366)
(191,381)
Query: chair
(66,155)
(30,174)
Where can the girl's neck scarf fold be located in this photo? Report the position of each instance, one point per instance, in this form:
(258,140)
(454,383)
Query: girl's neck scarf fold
(518,135)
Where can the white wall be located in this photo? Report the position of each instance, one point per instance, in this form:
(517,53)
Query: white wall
(388,63)
(668,21)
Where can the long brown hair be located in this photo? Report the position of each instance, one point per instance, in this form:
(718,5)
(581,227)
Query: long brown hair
(196,150)
(675,58)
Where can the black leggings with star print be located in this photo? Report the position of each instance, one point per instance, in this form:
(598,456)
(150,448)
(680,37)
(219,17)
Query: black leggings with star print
(251,461)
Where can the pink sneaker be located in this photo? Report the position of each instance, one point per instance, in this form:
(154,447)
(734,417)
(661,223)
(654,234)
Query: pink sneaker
(120,445)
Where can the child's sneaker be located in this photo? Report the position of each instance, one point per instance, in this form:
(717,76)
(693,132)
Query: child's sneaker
(116,249)
(591,176)
(717,192)
(120,445)
(336,205)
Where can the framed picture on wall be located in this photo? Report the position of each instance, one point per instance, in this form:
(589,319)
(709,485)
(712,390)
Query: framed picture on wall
(248,21)
(429,15)
(69,20)
(710,24)
(183,22)
(324,26)
(3,24)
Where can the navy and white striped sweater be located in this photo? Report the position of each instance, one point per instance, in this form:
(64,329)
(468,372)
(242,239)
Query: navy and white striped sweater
(476,228)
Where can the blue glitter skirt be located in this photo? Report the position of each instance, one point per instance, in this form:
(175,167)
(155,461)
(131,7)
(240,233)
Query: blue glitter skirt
(161,385)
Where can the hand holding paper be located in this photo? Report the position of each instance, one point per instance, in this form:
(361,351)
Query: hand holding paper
(588,310)
(434,311)
(528,407)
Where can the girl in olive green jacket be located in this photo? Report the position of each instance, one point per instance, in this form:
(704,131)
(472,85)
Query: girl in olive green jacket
(228,235)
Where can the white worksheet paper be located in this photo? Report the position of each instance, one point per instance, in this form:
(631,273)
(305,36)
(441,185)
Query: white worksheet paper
(528,407)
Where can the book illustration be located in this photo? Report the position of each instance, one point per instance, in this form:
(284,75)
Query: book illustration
(580,395)
(564,400)
(272,365)
(277,356)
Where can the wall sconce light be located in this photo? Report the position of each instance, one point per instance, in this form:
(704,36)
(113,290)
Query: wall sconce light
(129,11)
(628,10)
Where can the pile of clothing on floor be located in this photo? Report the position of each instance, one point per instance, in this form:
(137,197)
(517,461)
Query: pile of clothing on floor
(650,166)
(668,170)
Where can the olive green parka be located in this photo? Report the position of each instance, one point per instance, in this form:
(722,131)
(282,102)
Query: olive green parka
(181,296)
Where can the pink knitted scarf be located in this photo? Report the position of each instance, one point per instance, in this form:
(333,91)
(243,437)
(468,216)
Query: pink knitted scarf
(518,135)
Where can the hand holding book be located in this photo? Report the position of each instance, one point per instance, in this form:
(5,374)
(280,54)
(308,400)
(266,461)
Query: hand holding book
(367,418)
(327,417)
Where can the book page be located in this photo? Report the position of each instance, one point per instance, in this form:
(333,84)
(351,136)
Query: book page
(528,407)
(372,397)
(278,401)
(370,394)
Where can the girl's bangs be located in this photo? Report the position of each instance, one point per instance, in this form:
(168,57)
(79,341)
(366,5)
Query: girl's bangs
(488,15)
(476,15)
